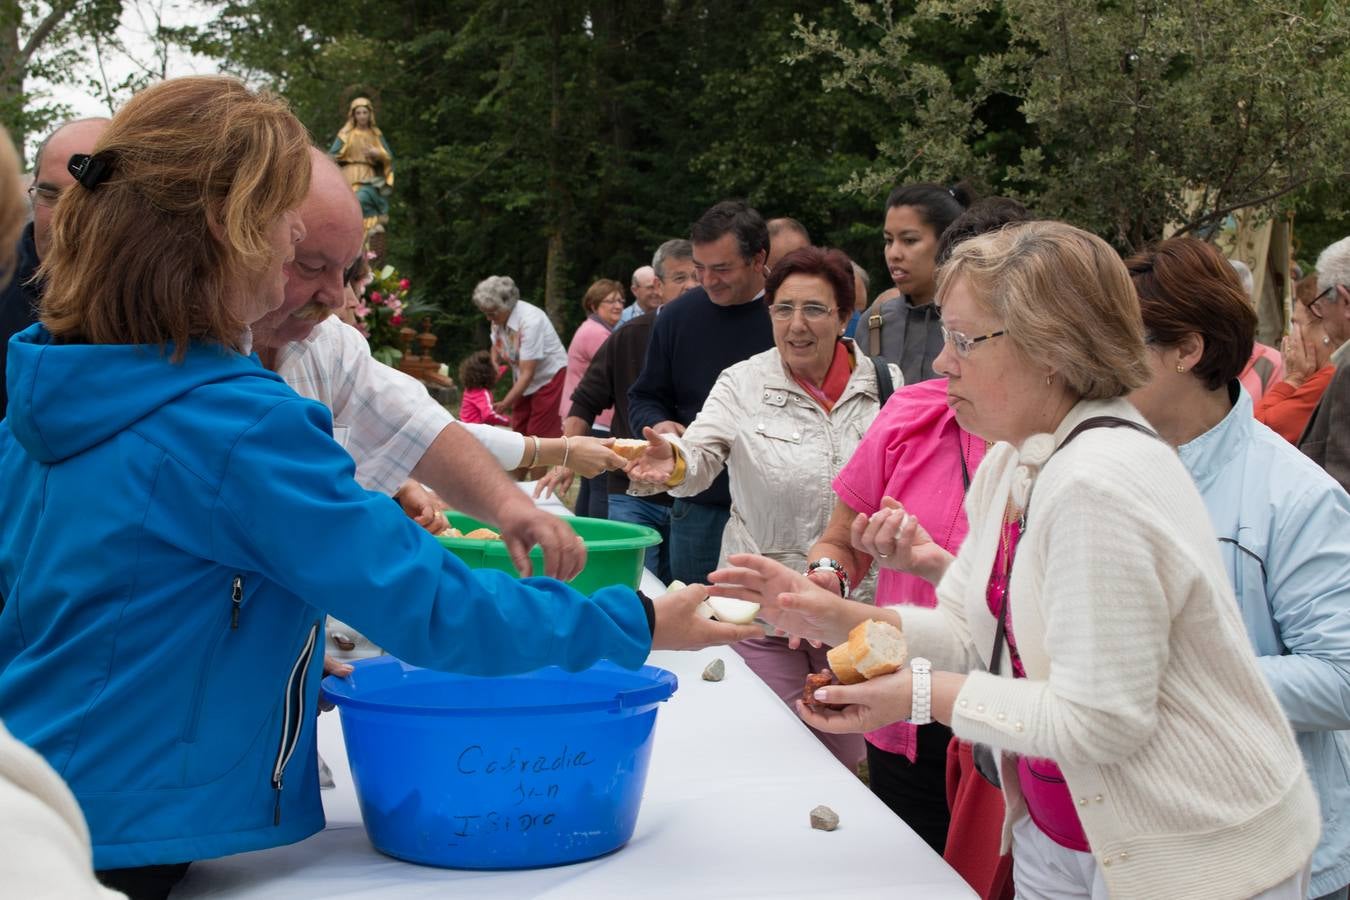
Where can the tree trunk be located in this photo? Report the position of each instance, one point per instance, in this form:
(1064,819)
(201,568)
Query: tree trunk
(11,89)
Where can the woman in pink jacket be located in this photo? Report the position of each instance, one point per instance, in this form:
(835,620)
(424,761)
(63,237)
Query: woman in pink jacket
(603,303)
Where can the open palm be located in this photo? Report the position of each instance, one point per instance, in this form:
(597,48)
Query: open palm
(656,463)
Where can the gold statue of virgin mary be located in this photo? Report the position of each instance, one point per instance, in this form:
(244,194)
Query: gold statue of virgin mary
(367,162)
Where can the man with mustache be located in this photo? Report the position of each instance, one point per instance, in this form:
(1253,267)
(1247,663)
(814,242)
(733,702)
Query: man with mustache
(384,418)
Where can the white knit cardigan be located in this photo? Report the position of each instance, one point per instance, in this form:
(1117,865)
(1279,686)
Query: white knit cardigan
(44,842)
(1141,683)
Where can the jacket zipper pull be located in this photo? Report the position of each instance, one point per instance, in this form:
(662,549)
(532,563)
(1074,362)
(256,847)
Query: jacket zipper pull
(236,600)
(276,810)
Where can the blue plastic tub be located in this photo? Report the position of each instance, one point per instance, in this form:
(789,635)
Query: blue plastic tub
(498,773)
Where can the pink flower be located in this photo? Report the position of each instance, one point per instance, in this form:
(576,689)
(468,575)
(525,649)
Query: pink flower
(396,305)
(362,310)
(375,296)
(404,284)
(396,320)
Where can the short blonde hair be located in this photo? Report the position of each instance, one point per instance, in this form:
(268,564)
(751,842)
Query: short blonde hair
(13,208)
(1064,298)
(201,170)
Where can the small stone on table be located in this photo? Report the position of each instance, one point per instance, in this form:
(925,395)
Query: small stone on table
(824,819)
(715,670)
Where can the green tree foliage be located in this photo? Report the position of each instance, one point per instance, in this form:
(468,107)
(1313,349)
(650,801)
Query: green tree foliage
(45,40)
(561,142)
(1138,114)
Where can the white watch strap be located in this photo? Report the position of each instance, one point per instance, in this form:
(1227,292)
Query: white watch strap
(921,706)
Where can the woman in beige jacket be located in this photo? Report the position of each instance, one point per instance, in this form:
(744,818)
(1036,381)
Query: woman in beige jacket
(1087,628)
(782,423)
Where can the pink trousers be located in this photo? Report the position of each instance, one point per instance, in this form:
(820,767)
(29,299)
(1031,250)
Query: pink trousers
(785,671)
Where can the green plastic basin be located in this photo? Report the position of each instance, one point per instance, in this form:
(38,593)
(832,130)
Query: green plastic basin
(614,551)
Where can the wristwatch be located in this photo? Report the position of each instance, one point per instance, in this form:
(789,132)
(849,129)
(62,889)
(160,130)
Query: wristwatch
(921,706)
(837,568)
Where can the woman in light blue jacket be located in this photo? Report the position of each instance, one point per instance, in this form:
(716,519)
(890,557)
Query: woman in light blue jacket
(1283,523)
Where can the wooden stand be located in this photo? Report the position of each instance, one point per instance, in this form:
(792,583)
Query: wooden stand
(423,367)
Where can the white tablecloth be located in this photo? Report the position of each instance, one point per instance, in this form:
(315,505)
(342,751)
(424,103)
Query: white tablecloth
(734,775)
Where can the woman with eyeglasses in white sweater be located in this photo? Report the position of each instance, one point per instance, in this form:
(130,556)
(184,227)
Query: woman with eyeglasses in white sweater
(1086,630)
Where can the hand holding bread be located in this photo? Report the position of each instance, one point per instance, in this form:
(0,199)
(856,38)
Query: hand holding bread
(873,649)
(589,456)
(860,707)
(653,462)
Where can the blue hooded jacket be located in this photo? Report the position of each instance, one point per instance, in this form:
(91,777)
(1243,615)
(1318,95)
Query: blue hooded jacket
(172,537)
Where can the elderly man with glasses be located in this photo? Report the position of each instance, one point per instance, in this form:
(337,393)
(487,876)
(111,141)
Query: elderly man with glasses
(1288,405)
(1319,330)
(19,302)
(1326,440)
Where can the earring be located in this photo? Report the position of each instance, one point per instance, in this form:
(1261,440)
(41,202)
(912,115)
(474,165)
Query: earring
(1326,340)
(1181,370)
(1049,379)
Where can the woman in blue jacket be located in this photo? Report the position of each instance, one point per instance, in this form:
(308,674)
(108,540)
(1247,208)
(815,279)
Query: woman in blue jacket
(1283,523)
(177,521)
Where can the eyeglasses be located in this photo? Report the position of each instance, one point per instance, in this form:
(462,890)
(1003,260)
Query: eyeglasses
(962,344)
(44,194)
(1322,297)
(609,301)
(813,312)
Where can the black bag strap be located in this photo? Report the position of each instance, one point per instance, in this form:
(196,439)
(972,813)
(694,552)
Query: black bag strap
(885,384)
(1104,422)
(965,468)
(1001,632)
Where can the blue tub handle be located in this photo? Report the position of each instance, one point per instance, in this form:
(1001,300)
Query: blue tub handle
(648,694)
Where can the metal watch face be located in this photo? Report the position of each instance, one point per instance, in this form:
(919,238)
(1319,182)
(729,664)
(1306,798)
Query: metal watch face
(826,563)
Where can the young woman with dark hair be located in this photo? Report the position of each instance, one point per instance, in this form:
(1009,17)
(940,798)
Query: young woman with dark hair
(904,328)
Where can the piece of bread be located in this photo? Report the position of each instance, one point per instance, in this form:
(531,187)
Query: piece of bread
(629,448)
(483,534)
(873,648)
